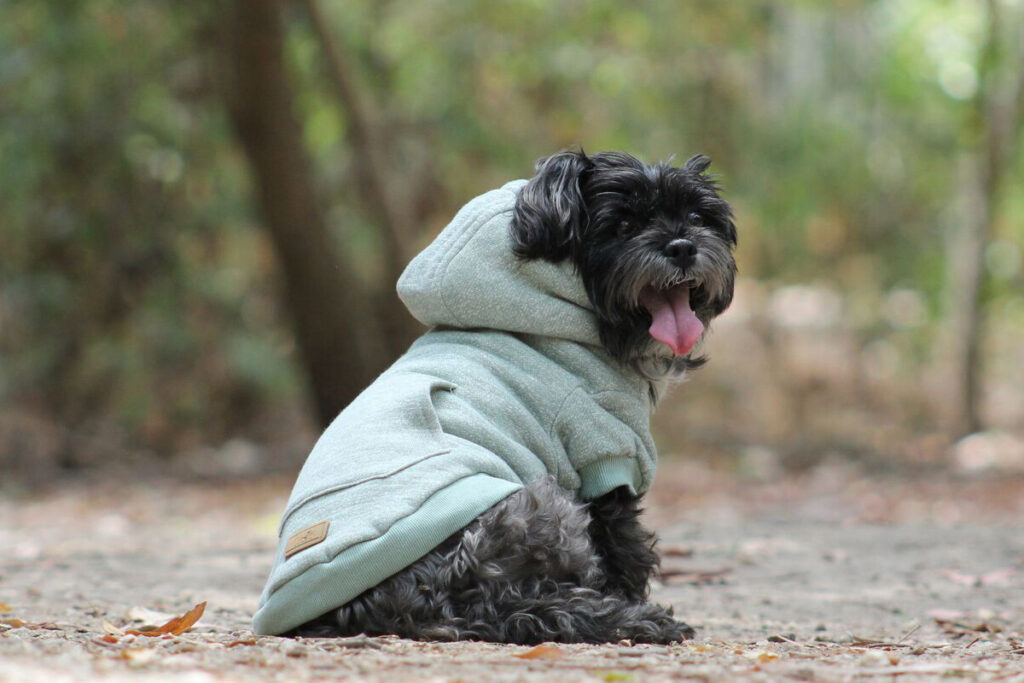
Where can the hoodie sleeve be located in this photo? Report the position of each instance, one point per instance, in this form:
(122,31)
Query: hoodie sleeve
(601,432)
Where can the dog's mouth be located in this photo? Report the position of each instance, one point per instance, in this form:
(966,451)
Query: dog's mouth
(673,321)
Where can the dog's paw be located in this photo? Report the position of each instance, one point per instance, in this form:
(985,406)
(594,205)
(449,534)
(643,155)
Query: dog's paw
(658,627)
(680,631)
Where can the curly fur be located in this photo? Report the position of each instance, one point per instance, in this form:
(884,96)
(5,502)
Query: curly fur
(537,567)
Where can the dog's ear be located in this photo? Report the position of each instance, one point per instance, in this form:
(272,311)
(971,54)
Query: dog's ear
(698,163)
(730,231)
(550,211)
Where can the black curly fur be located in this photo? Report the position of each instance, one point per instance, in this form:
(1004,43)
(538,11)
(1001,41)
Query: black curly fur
(625,547)
(537,567)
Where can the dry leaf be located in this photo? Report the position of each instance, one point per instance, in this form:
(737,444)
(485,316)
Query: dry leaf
(176,626)
(542,652)
(12,622)
(4,608)
(109,638)
(110,628)
(675,550)
(763,656)
(236,643)
(137,655)
(693,576)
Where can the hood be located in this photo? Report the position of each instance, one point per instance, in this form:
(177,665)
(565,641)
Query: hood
(468,278)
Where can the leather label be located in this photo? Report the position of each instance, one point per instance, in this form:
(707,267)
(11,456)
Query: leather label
(306,538)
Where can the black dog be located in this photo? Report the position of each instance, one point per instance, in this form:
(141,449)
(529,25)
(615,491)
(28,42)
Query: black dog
(652,245)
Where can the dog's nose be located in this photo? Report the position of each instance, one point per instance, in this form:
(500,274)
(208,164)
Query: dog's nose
(681,251)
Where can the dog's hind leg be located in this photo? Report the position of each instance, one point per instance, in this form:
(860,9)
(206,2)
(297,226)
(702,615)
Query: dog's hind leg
(526,571)
(529,570)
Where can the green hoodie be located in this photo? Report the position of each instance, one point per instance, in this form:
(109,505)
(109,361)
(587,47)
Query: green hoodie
(510,383)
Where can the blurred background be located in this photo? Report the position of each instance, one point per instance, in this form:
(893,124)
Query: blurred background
(204,208)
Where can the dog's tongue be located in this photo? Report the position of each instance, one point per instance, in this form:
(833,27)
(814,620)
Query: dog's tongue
(673,322)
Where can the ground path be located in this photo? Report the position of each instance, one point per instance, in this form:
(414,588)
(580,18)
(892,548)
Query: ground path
(831,575)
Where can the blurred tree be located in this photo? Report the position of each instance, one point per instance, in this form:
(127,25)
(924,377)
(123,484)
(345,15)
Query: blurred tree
(334,321)
(994,131)
(143,301)
(390,193)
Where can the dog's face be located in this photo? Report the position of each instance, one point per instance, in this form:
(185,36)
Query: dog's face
(652,243)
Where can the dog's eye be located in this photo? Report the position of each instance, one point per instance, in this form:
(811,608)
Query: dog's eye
(694,218)
(626,227)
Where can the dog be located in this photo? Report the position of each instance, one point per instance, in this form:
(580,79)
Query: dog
(561,308)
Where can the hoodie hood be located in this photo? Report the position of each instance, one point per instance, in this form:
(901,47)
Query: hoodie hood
(469,278)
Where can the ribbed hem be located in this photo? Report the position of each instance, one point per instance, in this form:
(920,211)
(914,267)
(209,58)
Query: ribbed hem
(598,478)
(329,585)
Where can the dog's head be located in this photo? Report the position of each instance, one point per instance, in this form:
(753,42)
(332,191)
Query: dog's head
(652,243)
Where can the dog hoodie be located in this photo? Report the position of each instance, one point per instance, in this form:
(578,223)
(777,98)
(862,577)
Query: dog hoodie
(510,383)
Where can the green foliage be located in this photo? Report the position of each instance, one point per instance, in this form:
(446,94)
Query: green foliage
(131,261)
(136,281)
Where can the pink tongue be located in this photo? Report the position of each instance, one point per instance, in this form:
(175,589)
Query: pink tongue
(673,322)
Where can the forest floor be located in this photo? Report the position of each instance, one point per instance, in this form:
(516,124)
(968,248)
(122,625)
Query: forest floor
(832,574)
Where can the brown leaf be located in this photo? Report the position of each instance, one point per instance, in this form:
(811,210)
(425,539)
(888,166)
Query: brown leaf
(12,622)
(542,652)
(675,550)
(693,575)
(176,626)
(4,608)
(236,643)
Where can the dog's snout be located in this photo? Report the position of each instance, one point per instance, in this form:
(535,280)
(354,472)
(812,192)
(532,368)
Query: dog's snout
(682,251)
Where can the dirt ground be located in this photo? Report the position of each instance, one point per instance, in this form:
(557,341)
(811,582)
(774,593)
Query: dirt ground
(828,575)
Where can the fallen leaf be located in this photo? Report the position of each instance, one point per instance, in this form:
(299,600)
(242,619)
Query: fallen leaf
(175,626)
(692,575)
(542,652)
(12,622)
(137,655)
(111,629)
(108,638)
(675,550)
(4,608)
(236,643)
(959,623)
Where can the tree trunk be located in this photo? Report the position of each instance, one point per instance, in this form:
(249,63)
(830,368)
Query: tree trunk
(385,194)
(333,326)
(997,116)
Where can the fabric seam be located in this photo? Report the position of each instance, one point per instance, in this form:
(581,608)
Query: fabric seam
(341,487)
